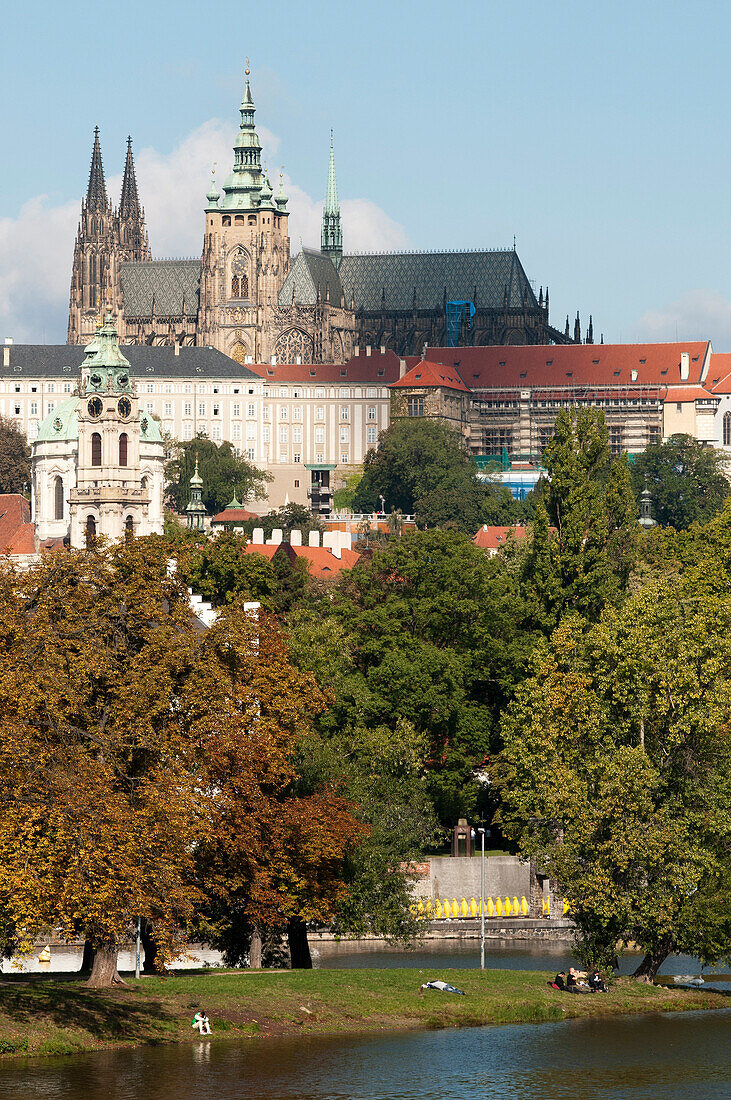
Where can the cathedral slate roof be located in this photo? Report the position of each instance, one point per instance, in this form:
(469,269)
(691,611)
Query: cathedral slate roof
(173,285)
(64,361)
(396,279)
(309,270)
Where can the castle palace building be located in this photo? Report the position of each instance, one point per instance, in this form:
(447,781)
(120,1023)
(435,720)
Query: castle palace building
(248,299)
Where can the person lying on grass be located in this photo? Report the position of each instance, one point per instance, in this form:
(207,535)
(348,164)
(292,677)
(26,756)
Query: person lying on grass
(443,987)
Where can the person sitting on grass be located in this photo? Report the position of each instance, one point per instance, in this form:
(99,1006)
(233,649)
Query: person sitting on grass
(572,983)
(201,1021)
(559,982)
(596,983)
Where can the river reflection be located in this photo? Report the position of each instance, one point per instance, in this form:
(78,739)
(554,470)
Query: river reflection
(662,1057)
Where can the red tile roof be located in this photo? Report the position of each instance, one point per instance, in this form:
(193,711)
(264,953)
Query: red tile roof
(575,364)
(17,533)
(687,393)
(431,374)
(492,538)
(719,375)
(361,368)
(321,562)
(234,515)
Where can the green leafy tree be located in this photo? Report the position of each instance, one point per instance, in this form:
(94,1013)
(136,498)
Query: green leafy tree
(421,468)
(616,773)
(687,481)
(224,474)
(585,535)
(14,458)
(434,639)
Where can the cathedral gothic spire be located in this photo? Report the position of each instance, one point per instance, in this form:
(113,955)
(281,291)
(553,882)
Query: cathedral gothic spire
(130,204)
(331,237)
(96,192)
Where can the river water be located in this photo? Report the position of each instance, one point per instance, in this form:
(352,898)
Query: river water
(660,1057)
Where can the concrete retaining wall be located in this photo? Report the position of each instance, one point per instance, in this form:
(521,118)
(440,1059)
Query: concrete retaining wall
(459,877)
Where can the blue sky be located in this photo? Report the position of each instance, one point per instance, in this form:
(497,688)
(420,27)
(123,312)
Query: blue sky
(597,135)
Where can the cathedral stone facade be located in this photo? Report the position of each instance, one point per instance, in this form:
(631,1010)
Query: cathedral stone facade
(245,298)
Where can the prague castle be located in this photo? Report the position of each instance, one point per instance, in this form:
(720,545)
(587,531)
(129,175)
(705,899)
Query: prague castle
(247,298)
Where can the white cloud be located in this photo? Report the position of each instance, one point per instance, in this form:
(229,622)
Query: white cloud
(696,315)
(36,248)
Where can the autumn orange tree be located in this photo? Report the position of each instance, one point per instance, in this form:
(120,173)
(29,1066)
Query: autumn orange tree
(268,859)
(131,741)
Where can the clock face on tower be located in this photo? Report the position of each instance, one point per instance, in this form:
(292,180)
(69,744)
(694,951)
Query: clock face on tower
(124,406)
(95,406)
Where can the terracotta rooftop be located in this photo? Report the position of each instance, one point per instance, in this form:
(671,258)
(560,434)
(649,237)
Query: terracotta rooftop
(492,538)
(234,515)
(719,375)
(17,533)
(431,374)
(375,367)
(576,364)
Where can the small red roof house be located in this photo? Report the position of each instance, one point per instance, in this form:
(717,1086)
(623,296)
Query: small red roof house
(493,539)
(17,533)
(323,562)
(233,515)
(429,375)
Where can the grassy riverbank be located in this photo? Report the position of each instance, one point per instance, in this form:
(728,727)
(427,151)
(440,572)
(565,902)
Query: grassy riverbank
(44,1015)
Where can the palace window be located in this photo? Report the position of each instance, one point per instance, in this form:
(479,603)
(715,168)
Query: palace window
(497,440)
(251,454)
(236,431)
(727,429)
(344,413)
(129,527)
(96,450)
(320,412)
(297,457)
(251,431)
(90,530)
(123,449)
(319,435)
(236,410)
(297,412)
(616,441)
(58,497)
(284,434)
(250,410)
(415,406)
(371,412)
(371,435)
(201,409)
(265,434)
(187,409)
(168,408)
(345,435)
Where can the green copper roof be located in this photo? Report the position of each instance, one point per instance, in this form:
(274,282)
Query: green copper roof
(331,199)
(246,188)
(61,424)
(104,361)
(331,236)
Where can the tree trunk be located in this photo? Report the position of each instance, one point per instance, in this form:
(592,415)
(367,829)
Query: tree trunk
(149,945)
(651,963)
(299,948)
(87,959)
(255,949)
(104,971)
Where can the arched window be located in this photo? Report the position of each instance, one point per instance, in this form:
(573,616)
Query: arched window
(143,484)
(129,527)
(239,219)
(58,497)
(727,429)
(90,530)
(225,220)
(235,287)
(123,449)
(244,286)
(96,449)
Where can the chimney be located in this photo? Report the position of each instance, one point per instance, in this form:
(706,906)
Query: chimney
(383,349)
(314,539)
(368,349)
(401,368)
(276,538)
(257,537)
(6,355)
(295,538)
(176,348)
(634,375)
(356,350)
(684,366)
(298,360)
(273,361)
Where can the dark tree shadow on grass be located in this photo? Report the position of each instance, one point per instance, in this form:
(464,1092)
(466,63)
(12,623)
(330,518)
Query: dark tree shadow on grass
(104,1014)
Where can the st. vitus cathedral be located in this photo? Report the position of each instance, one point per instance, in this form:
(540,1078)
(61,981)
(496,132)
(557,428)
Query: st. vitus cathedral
(249,299)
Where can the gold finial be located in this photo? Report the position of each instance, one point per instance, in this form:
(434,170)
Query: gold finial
(98,311)
(247,70)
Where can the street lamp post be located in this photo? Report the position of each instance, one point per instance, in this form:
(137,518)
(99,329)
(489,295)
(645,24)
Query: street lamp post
(482,900)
